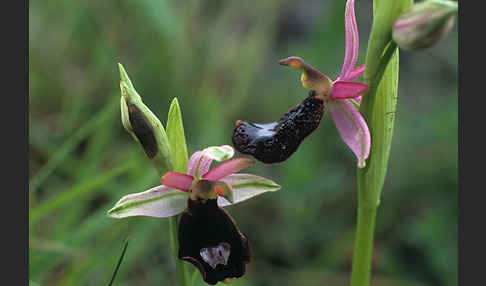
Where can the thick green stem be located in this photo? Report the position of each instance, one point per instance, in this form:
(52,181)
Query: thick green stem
(378,109)
(363,246)
(180,267)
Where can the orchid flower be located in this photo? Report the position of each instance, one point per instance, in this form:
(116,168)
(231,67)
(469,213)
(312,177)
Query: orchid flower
(208,236)
(338,95)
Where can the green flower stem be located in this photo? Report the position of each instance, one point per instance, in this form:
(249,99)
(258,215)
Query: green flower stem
(174,245)
(363,246)
(378,109)
(174,248)
(178,147)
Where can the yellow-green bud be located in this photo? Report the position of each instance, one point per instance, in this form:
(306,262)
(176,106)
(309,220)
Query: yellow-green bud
(424,24)
(143,125)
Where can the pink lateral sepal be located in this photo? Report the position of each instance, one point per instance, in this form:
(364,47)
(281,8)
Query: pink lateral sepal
(177,181)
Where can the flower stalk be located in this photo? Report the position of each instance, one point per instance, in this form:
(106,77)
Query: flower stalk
(178,147)
(378,109)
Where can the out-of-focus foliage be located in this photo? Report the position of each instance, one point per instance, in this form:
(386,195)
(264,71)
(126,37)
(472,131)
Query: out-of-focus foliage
(219,59)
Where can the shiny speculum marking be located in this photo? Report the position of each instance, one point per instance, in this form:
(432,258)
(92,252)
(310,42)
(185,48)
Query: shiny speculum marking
(218,254)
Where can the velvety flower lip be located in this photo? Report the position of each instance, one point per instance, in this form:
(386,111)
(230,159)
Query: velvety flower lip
(211,241)
(348,120)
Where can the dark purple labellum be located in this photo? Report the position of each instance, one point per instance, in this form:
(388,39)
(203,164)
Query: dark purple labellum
(274,142)
(210,240)
(143,130)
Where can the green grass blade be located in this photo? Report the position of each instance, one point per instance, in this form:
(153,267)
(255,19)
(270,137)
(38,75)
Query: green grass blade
(119,261)
(70,144)
(79,190)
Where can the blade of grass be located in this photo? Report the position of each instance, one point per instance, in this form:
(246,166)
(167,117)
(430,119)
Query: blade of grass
(70,144)
(119,261)
(77,191)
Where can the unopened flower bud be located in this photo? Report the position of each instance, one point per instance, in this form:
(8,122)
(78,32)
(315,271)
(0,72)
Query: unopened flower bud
(143,125)
(424,24)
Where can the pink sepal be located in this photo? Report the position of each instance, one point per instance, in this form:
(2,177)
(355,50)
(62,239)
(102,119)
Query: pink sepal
(177,180)
(352,128)
(352,41)
(348,89)
(203,166)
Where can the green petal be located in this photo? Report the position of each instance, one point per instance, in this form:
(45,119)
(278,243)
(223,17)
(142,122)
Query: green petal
(159,201)
(219,153)
(177,139)
(247,186)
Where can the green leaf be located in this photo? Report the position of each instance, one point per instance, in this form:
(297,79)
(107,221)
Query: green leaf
(381,125)
(378,109)
(385,13)
(177,139)
(379,104)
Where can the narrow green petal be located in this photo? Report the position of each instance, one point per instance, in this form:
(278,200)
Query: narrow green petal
(177,139)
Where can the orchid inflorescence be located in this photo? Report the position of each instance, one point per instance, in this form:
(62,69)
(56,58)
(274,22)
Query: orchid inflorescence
(207,235)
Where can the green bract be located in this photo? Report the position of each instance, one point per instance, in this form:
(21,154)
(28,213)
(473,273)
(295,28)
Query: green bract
(177,139)
(143,125)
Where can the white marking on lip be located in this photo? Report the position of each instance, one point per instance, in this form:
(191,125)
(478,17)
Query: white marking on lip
(215,255)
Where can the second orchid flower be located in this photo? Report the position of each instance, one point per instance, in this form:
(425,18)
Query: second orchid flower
(275,142)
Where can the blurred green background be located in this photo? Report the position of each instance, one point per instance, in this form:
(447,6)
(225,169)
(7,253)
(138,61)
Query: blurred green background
(219,58)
